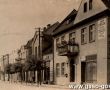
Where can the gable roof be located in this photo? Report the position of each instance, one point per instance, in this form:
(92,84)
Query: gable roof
(61,27)
(99,9)
(98,6)
(49,31)
(47,39)
(29,43)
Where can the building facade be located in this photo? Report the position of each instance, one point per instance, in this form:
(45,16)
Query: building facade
(4,62)
(81,45)
(47,51)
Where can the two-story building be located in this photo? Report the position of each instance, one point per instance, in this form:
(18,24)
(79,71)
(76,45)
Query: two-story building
(81,45)
(47,50)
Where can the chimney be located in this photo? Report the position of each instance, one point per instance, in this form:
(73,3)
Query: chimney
(48,25)
(44,28)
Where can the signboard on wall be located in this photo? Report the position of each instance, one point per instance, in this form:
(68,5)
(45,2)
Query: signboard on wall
(102,28)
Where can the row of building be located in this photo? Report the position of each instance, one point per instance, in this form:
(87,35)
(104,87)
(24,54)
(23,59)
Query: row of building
(76,50)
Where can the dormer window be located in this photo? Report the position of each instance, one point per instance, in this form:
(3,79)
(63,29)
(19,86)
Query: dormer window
(85,7)
(69,21)
(90,4)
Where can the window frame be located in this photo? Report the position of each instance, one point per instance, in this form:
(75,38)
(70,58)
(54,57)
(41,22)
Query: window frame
(63,69)
(92,33)
(90,4)
(72,37)
(91,60)
(57,42)
(85,7)
(91,79)
(84,36)
(63,38)
(57,69)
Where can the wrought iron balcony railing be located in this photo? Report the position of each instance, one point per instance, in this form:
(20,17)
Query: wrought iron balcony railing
(69,48)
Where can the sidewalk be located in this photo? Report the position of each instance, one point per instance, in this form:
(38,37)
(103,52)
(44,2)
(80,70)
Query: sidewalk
(36,85)
(49,86)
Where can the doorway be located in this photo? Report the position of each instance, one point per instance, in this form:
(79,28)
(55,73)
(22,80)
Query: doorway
(83,72)
(47,72)
(72,70)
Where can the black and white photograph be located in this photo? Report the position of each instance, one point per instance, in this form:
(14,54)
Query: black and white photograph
(54,44)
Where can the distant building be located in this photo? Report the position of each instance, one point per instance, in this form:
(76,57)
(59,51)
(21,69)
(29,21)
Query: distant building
(13,56)
(28,50)
(37,52)
(22,57)
(22,54)
(4,62)
(82,45)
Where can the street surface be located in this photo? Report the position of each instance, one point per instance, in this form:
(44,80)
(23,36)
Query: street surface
(19,86)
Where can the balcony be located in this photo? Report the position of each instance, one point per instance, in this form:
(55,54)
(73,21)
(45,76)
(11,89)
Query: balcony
(68,49)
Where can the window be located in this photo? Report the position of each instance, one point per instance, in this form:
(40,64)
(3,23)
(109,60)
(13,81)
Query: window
(57,69)
(72,36)
(91,72)
(85,7)
(84,36)
(63,38)
(90,4)
(91,68)
(63,69)
(36,52)
(92,31)
(57,42)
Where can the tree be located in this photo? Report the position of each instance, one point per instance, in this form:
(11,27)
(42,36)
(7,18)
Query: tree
(8,70)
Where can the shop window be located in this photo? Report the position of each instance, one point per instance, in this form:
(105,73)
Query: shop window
(91,72)
(91,69)
(57,69)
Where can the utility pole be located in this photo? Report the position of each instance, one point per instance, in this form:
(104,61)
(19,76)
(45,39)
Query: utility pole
(3,69)
(8,64)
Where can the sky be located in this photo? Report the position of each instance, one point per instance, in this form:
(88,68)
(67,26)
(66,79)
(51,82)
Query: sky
(19,18)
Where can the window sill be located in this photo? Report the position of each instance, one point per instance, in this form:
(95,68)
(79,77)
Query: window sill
(58,76)
(91,41)
(63,75)
(83,43)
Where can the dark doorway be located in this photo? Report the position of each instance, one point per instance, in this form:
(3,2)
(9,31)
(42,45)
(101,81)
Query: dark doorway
(83,71)
(47,73)
(72,70)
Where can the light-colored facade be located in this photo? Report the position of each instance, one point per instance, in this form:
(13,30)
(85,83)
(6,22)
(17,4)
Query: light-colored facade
(48,75)
(13,56)
(86,60)
(22,57)
(22,54)
(4,62)
(37,51)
